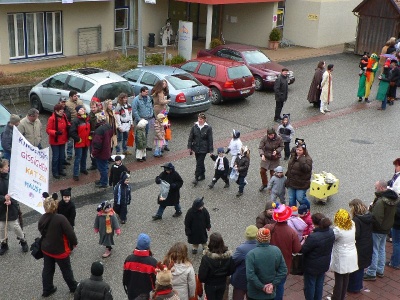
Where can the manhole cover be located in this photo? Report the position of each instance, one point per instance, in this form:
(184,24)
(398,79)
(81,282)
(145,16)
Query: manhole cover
(364,142)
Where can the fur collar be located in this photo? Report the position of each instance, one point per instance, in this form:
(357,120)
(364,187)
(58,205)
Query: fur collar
(212,255)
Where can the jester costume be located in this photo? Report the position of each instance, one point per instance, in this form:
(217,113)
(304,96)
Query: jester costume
(367,78)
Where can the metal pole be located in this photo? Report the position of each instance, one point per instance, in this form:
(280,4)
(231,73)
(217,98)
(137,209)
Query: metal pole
(140,37)
(209,25)
(124,50)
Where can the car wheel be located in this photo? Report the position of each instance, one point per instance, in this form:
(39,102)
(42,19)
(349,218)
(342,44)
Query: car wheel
(215,96)
(258,82)
(36,103)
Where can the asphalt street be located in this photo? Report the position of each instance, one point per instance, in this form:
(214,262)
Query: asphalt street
(355,142)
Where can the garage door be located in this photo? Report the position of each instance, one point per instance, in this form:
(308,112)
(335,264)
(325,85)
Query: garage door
(89,40)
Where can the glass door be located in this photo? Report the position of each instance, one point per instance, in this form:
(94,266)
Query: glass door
(16,39)
(54,32)
(35,34)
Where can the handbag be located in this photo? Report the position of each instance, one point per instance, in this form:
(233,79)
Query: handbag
(131,138)
(36,247)
(234,175)
(168,134)
(297,267)
(199,289)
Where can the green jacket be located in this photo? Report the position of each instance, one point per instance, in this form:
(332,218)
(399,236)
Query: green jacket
(141,141)
(383,210)
(264,264)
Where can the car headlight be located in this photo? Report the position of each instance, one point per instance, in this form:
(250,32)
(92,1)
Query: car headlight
(271,77)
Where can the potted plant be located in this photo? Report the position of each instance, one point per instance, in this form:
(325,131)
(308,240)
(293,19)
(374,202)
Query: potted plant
(275,37)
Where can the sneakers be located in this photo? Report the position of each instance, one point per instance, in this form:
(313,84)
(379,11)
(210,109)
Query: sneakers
(367,277)
(322,112)
(156,217)
(107,253)
(177,214)
(49,293)
(360,99)
(226,185)
(24,245)
(367,101)
(380,275)
(239,194)
(166,148)
(123,222)
(262,188)
(211,185)
(327,110)
(388,264)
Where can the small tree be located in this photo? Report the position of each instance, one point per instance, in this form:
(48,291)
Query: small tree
(215,43)
(275,35)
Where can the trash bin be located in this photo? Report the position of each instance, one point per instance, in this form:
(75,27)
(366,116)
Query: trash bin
(152,38)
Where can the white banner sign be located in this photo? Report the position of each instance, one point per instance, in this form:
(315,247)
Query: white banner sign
(29,172)
(185,36)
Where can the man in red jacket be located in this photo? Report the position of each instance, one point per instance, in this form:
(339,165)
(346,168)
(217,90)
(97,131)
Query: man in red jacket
(101,148)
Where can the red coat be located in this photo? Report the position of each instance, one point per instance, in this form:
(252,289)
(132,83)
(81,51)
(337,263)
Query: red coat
(54,124)
(310,227)
(80,131)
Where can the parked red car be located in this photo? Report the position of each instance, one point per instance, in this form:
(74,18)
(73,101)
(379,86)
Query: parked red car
(263,69)
(225,78)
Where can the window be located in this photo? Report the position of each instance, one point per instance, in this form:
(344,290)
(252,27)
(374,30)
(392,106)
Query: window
(34,34)
(149,79)
(182,81)
(190,66)
(75,83)
(57,82)
(121,18)
(238,72)
(207,70)
(133,75)
(112,90)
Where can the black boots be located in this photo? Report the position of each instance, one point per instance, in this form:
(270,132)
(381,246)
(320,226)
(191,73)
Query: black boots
(3,247)
(24,245)
(211,185)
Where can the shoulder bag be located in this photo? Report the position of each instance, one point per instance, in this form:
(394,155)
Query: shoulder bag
(36,247)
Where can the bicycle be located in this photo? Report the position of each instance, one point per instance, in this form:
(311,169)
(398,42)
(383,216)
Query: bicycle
(285,43)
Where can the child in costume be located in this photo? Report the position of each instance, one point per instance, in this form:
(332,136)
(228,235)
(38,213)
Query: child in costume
(116,170)
(277,185)
(363,63)
(242,164)
(159,135)
(296,223)
(167,125)
(367,78)
(140,140)
(234,148)
(286,132)
(122,196)
(106,223)
(221,167)
(305,215)
(383,88)
(66,207)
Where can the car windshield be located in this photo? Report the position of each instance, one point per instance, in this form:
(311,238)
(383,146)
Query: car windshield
(4,115)
(182,81)
(255,57)
(238,72)
(112,90)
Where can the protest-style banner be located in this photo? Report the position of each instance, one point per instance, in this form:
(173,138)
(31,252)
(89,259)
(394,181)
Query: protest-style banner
(29,172)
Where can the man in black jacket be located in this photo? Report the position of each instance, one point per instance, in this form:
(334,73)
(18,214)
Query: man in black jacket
(200,142)
(281,93)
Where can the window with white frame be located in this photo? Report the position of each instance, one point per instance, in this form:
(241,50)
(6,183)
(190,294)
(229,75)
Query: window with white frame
(34,34)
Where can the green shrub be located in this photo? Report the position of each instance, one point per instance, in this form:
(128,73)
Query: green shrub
(154,59)
(275,35)
(177,59)
(215,43)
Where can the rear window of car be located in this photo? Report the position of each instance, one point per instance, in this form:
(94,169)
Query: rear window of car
(238,72)
(112,90)
(182,81)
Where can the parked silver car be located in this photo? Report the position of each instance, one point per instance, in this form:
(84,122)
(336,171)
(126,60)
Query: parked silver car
(188,95)
(90,83)
(4,118)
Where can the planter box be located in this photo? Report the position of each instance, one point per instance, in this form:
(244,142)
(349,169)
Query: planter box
(273,45)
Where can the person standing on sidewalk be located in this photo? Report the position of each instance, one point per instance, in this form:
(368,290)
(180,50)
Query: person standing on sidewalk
(6,136)
(108,110)
(80,133)
(394,261)
(101,149)
(142,108)
(394,183)
(281,87)
(175,183)
(94,109)
(31,128)
(326,93)
(71,105)
(200,142)
(383,210)
(314,93)
(123,116)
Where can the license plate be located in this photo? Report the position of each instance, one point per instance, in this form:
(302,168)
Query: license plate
(199,97)
(245,91)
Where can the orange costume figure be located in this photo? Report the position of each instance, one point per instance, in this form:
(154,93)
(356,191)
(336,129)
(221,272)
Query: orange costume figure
(367,78)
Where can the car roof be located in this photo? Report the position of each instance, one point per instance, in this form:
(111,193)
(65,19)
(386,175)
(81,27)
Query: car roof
(166,70)
(219,61)
(99,75)
(239,47)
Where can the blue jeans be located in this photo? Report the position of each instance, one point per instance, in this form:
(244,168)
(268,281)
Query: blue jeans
(395,259)
(80,160)
(161,209)
(313,286)
(280,289)
(299,195)
(70,146)
(241,183)
(384,102)
(121,137)
(378,254)
(102,166)
(58,158)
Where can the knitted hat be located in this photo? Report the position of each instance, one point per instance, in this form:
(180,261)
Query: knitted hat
(124,176)
(251,232)
(142,123)
(295,212)
(118,158)
(66,192)
(278,169)
(104,205)
(271,131)
(198,203)
(14,119)
(164,275)
(220,150)
(54,196)
(282,213)
(78,107)
(302,209)
(236,134)
(97,268)
(168,165)
(263,235)
(143,242)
